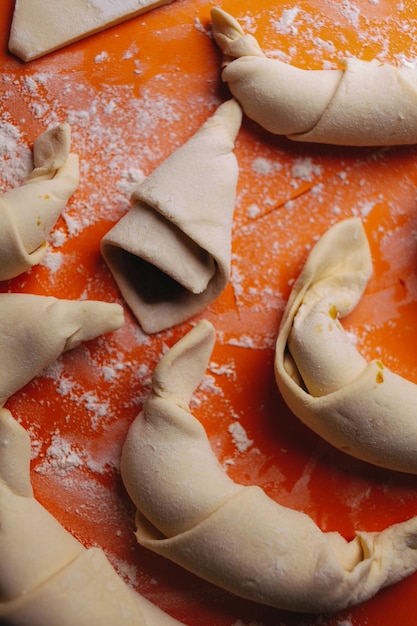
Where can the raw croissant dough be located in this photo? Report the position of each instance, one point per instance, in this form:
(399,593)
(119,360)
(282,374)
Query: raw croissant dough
(361,408)
(365,104)
(39,27)
(29,212)
(46,576)
(234,536)
(170,254)
(35,330)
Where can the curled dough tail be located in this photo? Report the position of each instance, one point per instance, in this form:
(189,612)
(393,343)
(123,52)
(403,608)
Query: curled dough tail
(29,212)
(35,330)
(276,95)
(173,379)
(361,408)
(46,576)
(188,458)
(50,151)
(231,38)
(83,320)
(235,536)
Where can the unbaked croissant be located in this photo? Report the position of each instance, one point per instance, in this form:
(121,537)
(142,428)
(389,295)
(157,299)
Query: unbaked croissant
(170,254)
(363,104)
(361,408)
(46,576)
(234,536)
(35,330)
(29,212)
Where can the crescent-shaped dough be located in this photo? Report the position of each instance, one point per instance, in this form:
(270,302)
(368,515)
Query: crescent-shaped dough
(35,330)
(364,104)
(46,576)
(170,254)
(361,408)
(234,536)
(29,212)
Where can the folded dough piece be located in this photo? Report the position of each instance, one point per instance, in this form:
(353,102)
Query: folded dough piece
(365,104)
(29,212)
(235,536)
(35,330)
(39,28)
(361,408)
(46,576)
(170,254)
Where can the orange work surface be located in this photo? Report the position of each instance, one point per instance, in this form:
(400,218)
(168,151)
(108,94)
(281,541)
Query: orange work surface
(133,94)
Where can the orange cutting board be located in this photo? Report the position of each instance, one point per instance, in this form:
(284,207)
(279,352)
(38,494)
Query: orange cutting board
(133,94)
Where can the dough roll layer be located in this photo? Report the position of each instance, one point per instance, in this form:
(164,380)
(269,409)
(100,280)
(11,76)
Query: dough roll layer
(235,536)
(86,592)
(362,104)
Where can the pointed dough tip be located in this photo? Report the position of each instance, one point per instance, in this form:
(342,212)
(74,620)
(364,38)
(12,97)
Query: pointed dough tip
(225,24)
(340,245)
(231,38)
(182,368)
(51,148)
(95,317)
(228,114)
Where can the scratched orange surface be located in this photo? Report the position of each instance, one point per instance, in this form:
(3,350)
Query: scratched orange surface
(132,95)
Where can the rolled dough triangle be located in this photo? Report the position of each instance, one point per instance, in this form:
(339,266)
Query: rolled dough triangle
(40,27)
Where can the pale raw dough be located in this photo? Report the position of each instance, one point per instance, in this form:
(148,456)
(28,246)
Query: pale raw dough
(170,254)
(40,27)
(363,104)
(361,408)
(46,576)
(35,330)
(234,536)
(29,212)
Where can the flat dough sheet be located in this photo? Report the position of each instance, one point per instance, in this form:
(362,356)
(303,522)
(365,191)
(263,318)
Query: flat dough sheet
(39,28)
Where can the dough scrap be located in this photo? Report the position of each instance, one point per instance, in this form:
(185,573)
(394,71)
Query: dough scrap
(35,330)
(170,254)
(29,212)
(361,408)
(39,28)
(47,577)
(190,511)
(364,104)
